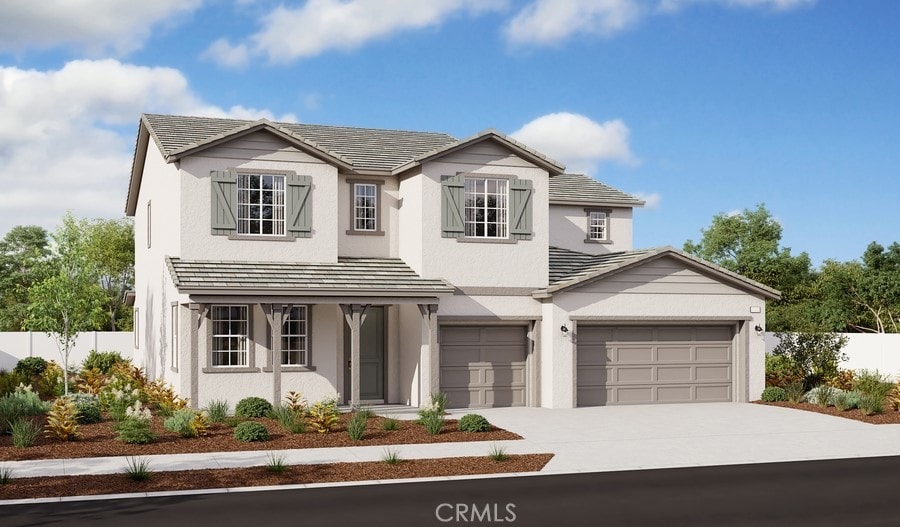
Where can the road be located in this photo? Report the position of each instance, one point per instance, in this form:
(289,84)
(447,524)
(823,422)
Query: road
(850,492)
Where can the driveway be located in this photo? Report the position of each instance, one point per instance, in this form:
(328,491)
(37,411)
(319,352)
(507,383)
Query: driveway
(685,435)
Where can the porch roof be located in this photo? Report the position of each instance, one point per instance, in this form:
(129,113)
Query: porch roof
(363,277)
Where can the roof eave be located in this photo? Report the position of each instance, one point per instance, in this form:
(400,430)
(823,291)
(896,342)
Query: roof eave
(137,168)
(605,202)
(288,291)
(532,156)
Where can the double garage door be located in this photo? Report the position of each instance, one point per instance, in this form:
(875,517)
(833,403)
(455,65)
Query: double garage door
(483,366)
(653,364)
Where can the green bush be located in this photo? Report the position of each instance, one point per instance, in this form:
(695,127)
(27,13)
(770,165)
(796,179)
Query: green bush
(217,411)
(813,357)
(389,424)
(182,423)
(249,431)
(135,430)
(30,366)
(794,392)
(433,423)
(473,423)
(103,361)
(253,407)
(20,403)
(356,428)
(773,394)
(871,404)
(87,406)
(289,419)
(24,431)
(822,395)
(9,380)
(844,401)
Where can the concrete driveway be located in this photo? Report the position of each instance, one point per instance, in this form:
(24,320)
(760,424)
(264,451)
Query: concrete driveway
(683,435)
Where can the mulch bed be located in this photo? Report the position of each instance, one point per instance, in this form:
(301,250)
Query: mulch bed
(43,487)
(889,417)
(99,439)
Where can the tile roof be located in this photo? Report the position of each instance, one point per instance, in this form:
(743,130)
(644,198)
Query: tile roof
(363,148)
(347,276)
(570,268)
(584,189)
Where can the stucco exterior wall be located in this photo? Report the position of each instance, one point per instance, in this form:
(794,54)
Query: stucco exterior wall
(410,346)
(568,229)
(198,243)
(409,218)
(388,202)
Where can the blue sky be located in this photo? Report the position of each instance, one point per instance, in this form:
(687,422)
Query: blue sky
(699,106)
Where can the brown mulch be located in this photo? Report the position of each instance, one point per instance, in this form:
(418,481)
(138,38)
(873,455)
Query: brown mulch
(99,439)
(889,417)
(258,476)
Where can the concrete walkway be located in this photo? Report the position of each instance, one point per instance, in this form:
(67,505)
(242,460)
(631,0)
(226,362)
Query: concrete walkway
(583,440)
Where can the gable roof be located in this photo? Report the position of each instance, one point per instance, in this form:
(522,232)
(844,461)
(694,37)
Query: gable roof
(570,269)
(581,189)
(346,277)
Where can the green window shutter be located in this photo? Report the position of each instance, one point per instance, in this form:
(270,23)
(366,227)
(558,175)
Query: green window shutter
(520,212)
(453,206)
(224,199)
(299,205)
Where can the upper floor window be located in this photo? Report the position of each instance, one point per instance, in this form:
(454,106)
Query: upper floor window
(260,204)
(597,225)
(486,207)
(364,206)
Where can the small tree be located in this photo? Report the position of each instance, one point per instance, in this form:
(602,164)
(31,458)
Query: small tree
(70,300)
(812,356)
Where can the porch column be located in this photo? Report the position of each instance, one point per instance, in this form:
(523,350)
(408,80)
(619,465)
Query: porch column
(429,358)
(355,315)
(197,319)
(275,317)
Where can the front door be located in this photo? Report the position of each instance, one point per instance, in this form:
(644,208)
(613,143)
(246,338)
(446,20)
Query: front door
(371,358)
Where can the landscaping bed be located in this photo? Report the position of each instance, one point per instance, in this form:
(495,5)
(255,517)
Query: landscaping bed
(888,417)
(42,487)
(99,439)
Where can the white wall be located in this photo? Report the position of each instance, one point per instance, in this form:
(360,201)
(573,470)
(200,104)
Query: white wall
(15,346)
(369,245)
(869,351)
(568,229)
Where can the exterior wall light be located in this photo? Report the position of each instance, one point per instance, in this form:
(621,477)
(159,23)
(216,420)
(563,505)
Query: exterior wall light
(564,329)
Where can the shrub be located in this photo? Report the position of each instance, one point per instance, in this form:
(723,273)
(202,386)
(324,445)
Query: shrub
(433,423)
(87,406)
(323,416)
(842,381)
(137,469)
(217,410)
(391,456)
(249,431)
(135,431)
(118,400)
(161,396)
(894,397)
(871,404)
(822,395)
(844,401)
(356,428)
(292,421)
(779,372)
(813,357)
(389,424)
(31,367)
(794,392)
(103,361)
(296,402)
(253,407)
(872,383)
(498,453)
(91,381)
(24,431)
(473,423)
(773,394)
(275,463)
(62,419)
(232,421)
(20,403)
(184,423)
(9,380)
(51,383)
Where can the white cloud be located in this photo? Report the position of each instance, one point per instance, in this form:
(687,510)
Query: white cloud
(61,140)
(544,22)
(551,21)
(652,200)
(579,142)
(94,25)
(339,25)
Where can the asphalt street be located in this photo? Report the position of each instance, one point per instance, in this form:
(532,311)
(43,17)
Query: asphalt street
(848,492)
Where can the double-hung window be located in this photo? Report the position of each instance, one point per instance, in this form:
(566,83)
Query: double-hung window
(295,337)
(597,229)
(260,200)
(486,207)
(365,204)
(229,335)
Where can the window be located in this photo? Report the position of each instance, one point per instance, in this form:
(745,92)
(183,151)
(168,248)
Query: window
(294,337)
(260,199)
(229,335)
(486,208)
(174,326)
(364,206)
(597,225)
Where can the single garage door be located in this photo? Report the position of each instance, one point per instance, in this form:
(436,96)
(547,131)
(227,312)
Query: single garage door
(483,366)
(653,364)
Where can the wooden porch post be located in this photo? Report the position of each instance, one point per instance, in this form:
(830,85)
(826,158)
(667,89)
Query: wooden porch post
(275,317)
(355,315)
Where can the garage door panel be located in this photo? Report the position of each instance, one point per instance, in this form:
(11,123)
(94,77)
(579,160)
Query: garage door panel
(504,376)
(460,377)
(502,335)
(514,397)
(483,365)
(464,398)
(501,354)
(459,335)
(660,369)
(674,353)
(459,355)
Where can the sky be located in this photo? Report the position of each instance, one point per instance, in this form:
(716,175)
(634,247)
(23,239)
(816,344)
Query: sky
(699,107)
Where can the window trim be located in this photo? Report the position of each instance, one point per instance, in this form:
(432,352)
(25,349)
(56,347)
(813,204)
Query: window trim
(149,224)
(290,368)
(353,231)
(173,344)
(237,206)
(608,231)
(136,327)
(488,239)
(250,344)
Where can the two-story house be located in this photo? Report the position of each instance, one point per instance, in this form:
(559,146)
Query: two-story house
(386,265)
